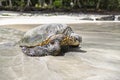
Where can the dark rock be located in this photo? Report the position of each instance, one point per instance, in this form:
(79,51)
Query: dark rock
(87,18)
(119,18)
(106,18)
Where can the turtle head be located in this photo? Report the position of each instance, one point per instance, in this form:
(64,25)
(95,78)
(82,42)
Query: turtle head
(76,39)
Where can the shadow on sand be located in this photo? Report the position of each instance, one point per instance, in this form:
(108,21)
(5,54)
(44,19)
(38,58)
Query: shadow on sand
(78,49)
(72,49)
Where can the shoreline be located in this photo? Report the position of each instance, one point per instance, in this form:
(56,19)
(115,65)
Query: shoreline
(25,21)
(26,27)
(47,19)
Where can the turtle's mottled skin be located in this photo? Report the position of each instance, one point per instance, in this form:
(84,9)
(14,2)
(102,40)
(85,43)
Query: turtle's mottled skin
(49,39)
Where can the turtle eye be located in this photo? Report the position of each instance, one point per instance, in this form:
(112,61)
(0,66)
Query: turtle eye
(52,42)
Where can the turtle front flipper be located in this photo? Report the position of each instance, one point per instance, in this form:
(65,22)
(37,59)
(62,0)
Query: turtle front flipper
(35,51)
(53,48)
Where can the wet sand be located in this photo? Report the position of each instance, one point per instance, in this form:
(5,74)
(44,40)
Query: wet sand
(98,59)
(90,26)
(21,27)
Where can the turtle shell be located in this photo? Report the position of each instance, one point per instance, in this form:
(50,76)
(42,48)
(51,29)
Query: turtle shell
(41,33)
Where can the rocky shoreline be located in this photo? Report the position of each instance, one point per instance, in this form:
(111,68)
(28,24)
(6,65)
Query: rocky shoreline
(80,16)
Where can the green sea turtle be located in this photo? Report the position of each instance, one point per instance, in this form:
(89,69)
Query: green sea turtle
(49,39)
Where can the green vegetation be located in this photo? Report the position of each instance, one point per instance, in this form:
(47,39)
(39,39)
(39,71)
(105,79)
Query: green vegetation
(97,5)
(57,4)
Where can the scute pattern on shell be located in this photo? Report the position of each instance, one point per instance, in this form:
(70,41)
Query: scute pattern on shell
(41,33)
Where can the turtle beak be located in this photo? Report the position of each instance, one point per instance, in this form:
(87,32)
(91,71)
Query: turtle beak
(78,38)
